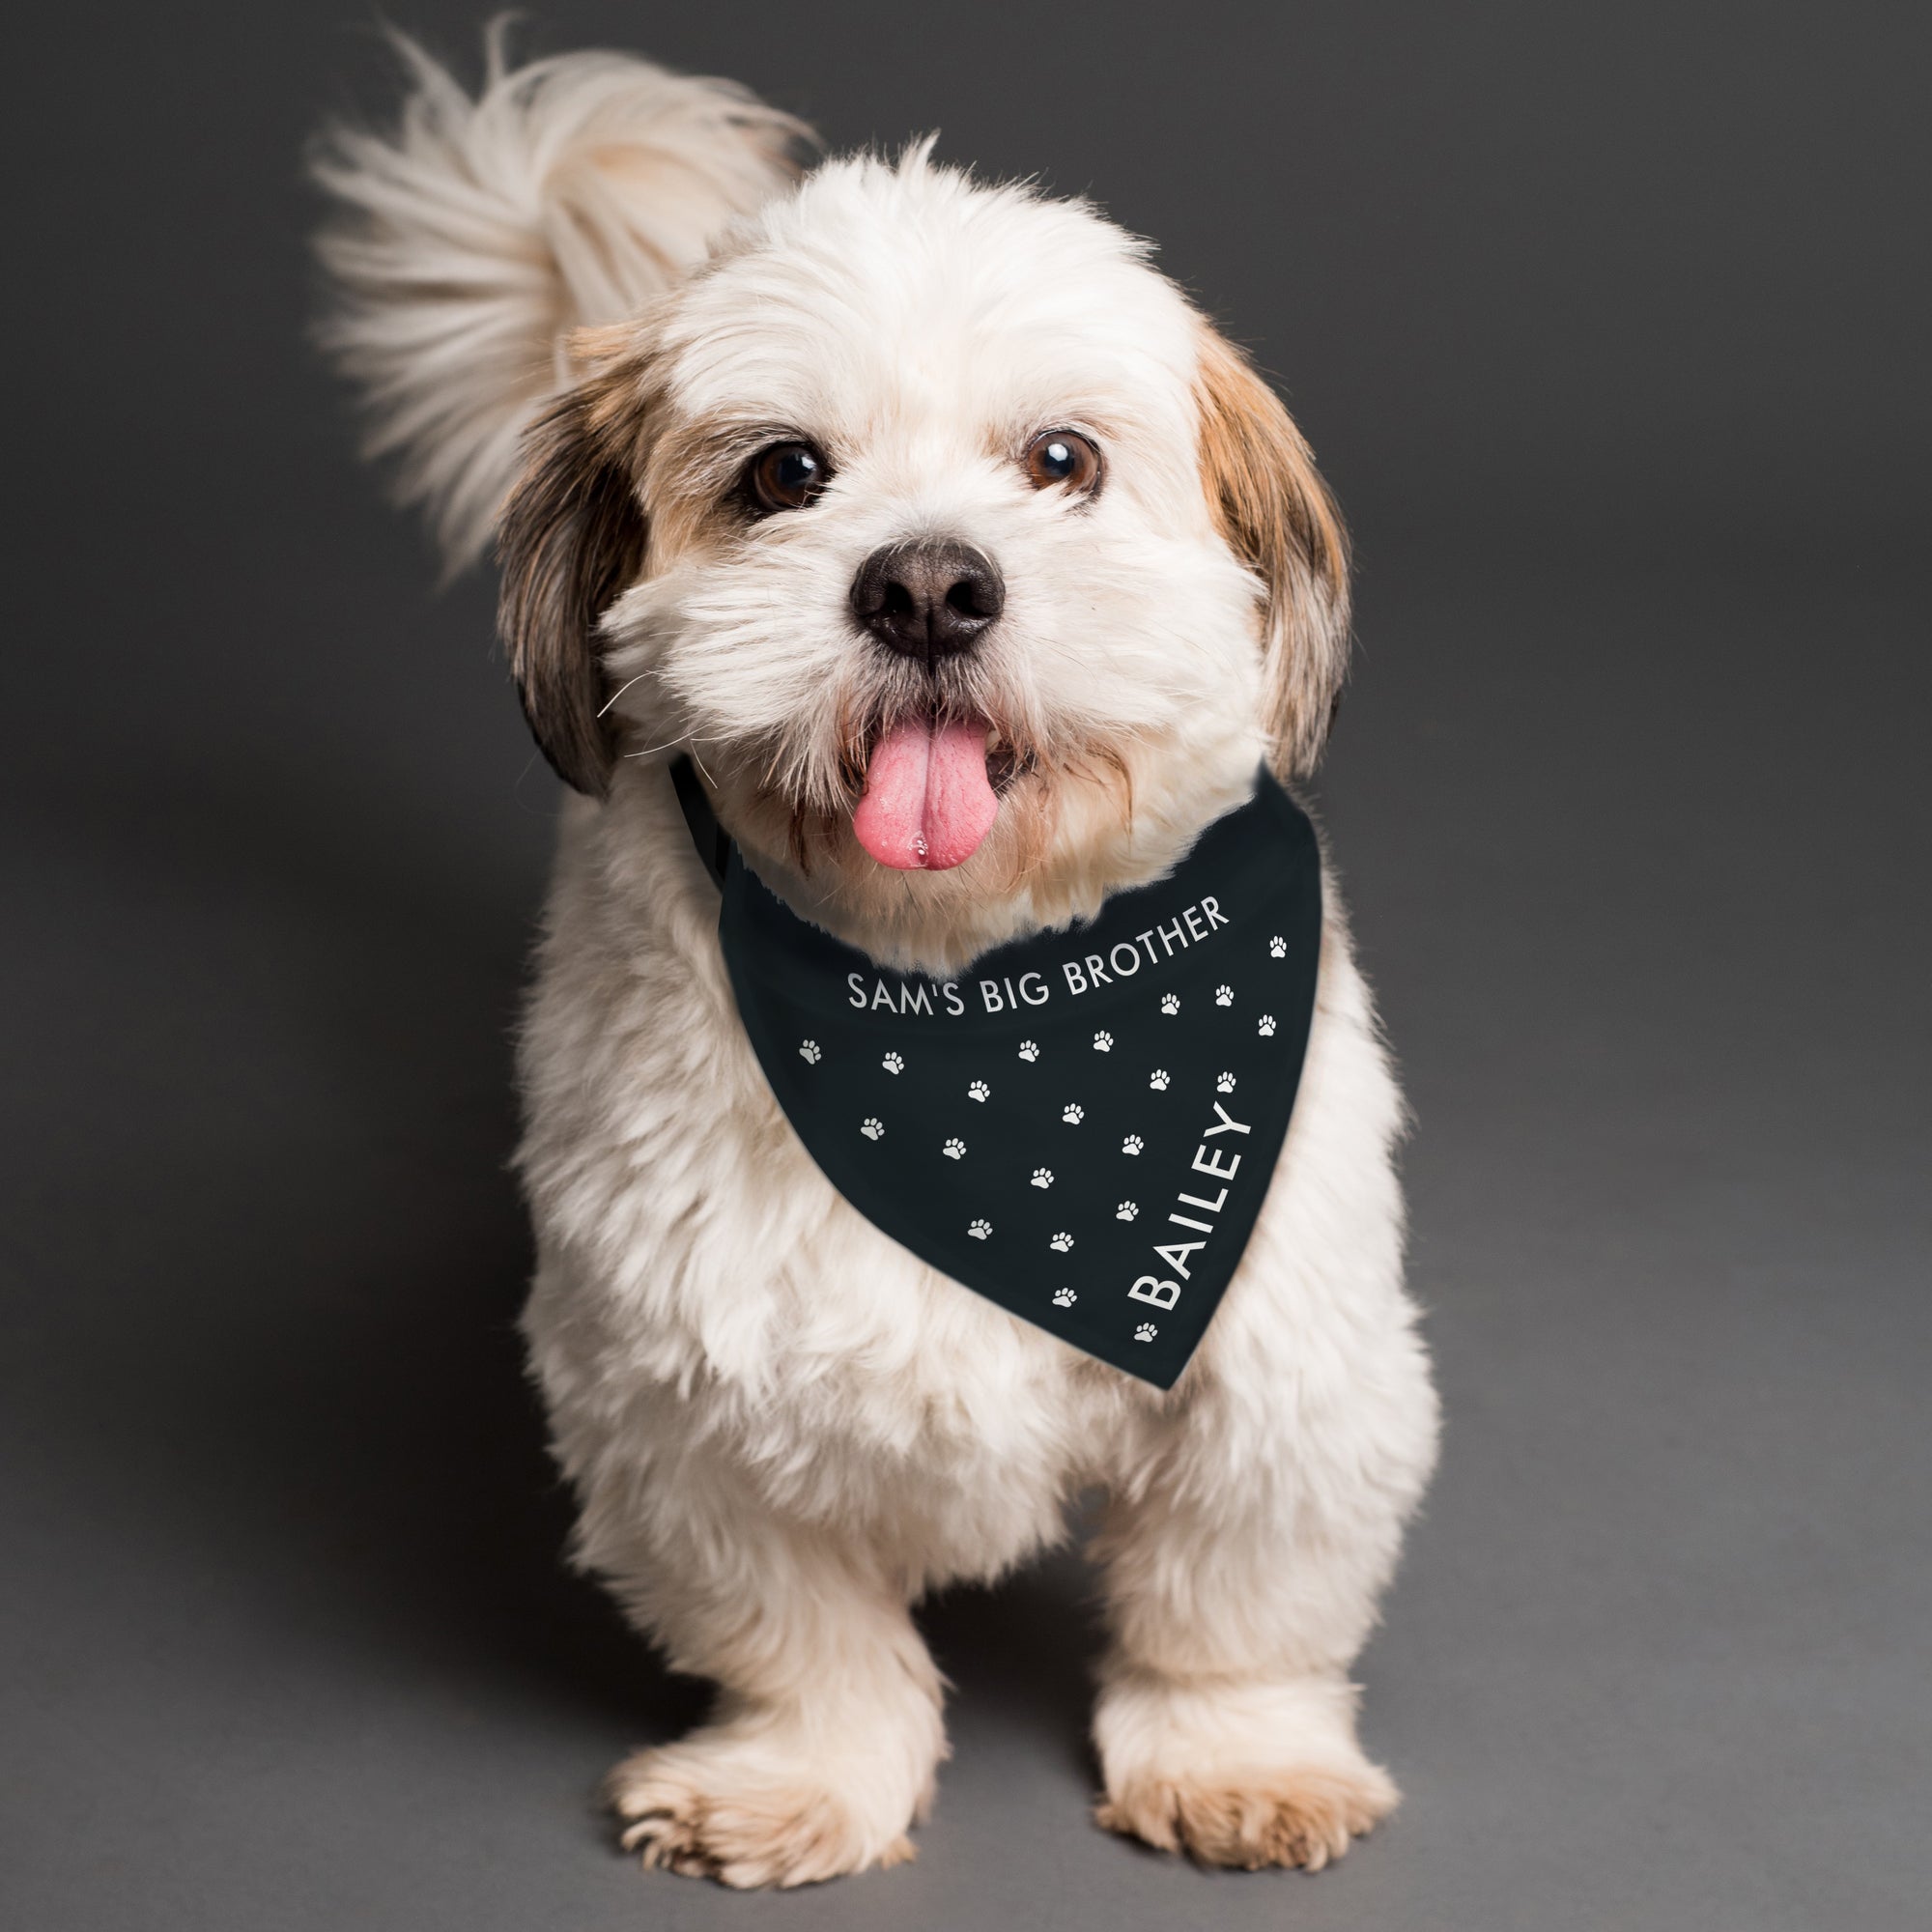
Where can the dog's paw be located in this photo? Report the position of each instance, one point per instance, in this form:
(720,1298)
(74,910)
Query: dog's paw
(1126,1211)
(1169,1004)
(1224,996)
(1277,947)
(977,1089)
(1061,1243)
(892,1064)
(1073,1113)
(955,1149)
(1158,1080)
(713,1809)
(1132,1144)
(1237,1772)
(1265,1028)
(1029,1050)
(1103,1042)
(1298,1815)
(1225,1084)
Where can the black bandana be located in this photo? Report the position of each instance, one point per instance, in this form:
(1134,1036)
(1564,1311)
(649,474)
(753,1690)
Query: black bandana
(1081,1127)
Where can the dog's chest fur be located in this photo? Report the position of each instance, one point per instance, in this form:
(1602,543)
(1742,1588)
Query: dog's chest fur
(688,1243)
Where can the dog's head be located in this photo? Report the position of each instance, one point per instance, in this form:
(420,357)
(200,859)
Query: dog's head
(975,569)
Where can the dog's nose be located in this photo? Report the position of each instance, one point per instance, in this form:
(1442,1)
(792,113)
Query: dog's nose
(928,599)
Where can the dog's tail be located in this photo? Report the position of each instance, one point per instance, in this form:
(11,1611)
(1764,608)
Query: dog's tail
(468,240)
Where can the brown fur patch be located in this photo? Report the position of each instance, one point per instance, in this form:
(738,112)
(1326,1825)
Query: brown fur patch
(1276,515)
(572,538)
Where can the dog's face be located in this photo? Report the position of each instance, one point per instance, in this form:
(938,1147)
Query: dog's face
(977,572)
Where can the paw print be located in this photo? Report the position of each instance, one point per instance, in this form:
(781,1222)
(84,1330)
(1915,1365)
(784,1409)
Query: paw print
(1158,1080)
(1064,1297)
(1132,1144)
(955,1149)
(871,1129)
(1029,1050)
(978,1091)
(1042,1177)
(892,1064)
(1266,1026)
(1103,1042)
(1224,996)
(1073,1113)
(1145,1332)
(1061,1243)
(807,1051)
(1225,1084)
(1277,947)
(979,1230)
(1126,1211)
(1169,1004)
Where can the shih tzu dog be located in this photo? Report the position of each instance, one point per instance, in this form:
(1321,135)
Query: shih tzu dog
(913,549)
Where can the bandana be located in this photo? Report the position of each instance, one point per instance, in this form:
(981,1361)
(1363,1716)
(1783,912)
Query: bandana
(1082,1126)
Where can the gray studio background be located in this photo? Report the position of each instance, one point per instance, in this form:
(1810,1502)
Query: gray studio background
(1609,325)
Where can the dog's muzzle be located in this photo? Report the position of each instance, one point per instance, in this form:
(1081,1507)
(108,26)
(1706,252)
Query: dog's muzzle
(930,599)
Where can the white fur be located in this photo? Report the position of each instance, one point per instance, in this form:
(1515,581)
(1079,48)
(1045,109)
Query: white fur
(782,1426)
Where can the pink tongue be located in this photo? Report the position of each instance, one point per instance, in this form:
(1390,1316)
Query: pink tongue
(928,804)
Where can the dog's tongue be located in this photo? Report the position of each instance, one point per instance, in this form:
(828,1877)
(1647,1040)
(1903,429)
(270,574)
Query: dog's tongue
(927,801)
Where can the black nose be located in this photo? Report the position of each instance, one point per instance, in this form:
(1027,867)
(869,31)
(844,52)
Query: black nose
(927,599)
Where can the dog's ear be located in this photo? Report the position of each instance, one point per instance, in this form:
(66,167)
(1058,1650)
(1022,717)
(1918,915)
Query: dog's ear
(1277,516)
(572,538)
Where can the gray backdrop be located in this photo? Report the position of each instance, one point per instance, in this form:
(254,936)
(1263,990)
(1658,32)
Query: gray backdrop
(1609,323)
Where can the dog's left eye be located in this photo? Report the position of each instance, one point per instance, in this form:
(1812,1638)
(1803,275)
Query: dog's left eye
(787,476)
(1058,457)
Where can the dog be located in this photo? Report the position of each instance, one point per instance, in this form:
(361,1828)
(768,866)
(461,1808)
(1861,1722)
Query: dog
(696,384)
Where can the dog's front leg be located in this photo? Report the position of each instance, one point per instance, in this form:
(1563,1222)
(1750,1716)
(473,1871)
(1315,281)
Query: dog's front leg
(1242,1580)
(821,1751)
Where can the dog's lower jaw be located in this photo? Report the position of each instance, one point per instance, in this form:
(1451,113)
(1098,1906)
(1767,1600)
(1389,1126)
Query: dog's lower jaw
(1236,1771)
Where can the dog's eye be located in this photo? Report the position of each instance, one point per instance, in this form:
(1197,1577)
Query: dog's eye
(1059,456)
(787,476)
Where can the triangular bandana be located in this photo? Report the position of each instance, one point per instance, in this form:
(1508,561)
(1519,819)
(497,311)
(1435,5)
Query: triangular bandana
(1083,1125)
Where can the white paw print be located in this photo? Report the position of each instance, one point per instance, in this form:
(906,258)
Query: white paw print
(1267,1027)
(1225,1084)
(1073,1113)
(871,1129)
(1126,1211)
(1224,996)
(808,1052)
(1029,1050)
(892,1064)
(1145,1332)
(1103,1042)
(1277,947)
(1061,1243)
(978,1091)
(979,1230)
(1158,1080)
(1169,1004)
(1042,1177)
(955,1149)
(1064,1297)
(1132,1144)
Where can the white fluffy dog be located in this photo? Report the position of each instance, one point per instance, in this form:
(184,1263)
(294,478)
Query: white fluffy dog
(602,309)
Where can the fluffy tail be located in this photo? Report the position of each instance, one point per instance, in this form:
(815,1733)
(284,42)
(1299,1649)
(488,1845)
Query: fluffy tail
(472,238)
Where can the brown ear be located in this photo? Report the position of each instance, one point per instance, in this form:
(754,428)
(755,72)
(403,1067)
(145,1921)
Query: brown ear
(1277,516)
(571,537)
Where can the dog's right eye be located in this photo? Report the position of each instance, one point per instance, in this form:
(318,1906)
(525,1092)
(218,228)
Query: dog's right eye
(787,476)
